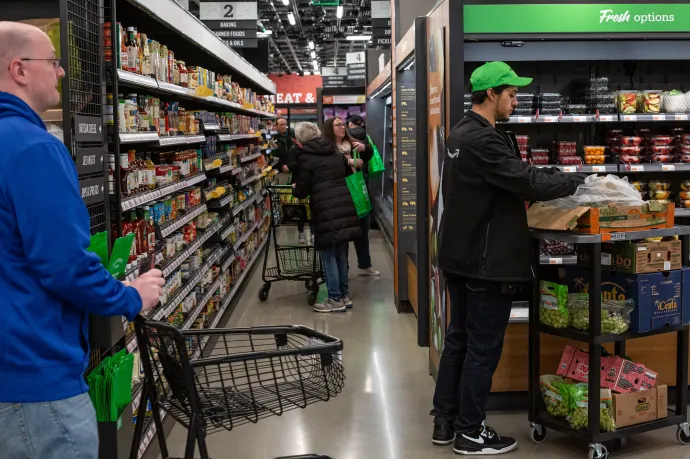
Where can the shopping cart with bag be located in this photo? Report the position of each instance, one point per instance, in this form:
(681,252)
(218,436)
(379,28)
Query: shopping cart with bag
(217,379)
(294,262)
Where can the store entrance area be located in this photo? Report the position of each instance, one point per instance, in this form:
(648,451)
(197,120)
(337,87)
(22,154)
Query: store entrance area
(383,411)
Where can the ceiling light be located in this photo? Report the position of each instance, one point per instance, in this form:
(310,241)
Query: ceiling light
(291,18)
(311,44)
(286,2)
(313,54)
(359,37)
(339,11)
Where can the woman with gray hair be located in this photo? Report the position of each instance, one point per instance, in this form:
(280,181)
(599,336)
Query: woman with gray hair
(320,175)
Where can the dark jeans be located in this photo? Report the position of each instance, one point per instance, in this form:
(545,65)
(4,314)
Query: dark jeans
(479,315)
(362,244)
(335,268)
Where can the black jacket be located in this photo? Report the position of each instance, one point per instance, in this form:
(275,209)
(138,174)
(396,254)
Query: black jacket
(285,142)
(483,231)
(320,175)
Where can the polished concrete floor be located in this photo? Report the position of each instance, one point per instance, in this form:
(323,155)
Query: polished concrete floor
(383,412)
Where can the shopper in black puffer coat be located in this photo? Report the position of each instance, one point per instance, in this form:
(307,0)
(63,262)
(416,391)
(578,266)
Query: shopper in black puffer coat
(320,175)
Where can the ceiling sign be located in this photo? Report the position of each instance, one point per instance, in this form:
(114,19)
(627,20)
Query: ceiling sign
(381,24)
(233,22)
(345,99)
(228,11)
(380,9)
(334,77)
(356,68)
(295,89)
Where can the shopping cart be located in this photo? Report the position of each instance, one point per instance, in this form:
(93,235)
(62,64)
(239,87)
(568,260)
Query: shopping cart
(217,379)
(300,263)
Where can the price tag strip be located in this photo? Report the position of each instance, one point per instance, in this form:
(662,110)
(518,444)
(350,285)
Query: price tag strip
(246,159)
(174,226)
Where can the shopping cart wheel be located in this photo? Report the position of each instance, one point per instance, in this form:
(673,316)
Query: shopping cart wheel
(307,284)
(311,297)
(263,293)
(682,437)
(537,434)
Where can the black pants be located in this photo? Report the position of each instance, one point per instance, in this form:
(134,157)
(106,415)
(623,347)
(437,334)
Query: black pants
(362,244)
(479,315)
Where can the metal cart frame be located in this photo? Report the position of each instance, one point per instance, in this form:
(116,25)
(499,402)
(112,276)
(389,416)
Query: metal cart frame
(301,263)
(539,419)
(244,375)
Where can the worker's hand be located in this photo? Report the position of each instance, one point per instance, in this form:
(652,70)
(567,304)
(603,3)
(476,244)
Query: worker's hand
(359,147)
(285,168)
(149,286)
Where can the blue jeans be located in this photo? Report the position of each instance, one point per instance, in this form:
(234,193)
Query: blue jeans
(63,429)
(362,244)
(335,270)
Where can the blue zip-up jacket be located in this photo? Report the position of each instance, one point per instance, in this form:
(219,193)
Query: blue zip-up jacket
(49,283)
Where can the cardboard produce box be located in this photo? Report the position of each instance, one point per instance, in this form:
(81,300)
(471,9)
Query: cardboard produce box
(645,257)
(658,299)
(639,407)
(609,219)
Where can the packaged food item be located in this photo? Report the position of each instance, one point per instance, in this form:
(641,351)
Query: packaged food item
(594,150)
(661,186)
(523,111)
(631,141)
(615,314)
(660,158)
(685,158)
(569,160)
(595,159)
(651,101)
(685,149)
(684,194)
(578,405)
(662,149)
(575,109)
(639,186)
(521,96)
(684,203)
(662,140)
(553,306)
(685,185)
(630,150)
(614,133)
(550,111)
(659,194)
(551,391)
(627,101)
(594,154)
(549,97)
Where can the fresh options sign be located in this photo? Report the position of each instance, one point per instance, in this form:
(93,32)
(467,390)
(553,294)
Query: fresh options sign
(577,18)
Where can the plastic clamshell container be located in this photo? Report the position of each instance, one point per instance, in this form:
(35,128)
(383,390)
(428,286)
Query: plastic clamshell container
(631,140)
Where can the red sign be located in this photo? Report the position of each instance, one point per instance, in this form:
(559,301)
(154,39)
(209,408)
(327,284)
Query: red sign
(295,89)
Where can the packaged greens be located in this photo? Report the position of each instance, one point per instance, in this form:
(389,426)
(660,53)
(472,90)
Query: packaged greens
(615,314)
(553,304)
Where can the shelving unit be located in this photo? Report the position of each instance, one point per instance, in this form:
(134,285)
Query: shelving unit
(538,416)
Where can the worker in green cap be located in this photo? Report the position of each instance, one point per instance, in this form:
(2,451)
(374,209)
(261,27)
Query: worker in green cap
(485,253)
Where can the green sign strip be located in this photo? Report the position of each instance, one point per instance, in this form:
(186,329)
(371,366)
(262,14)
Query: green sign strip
(576,18)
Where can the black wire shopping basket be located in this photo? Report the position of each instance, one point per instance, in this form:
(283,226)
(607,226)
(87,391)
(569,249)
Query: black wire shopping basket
(217,379)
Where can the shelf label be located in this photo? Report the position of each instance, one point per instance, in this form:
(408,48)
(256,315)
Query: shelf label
(91,190)
(579,119)
(555,261)
(617,236)
(90,160)
(569,168)
(550,119)
(88,128)
(598,168)
(658,117)
(668,167)
(667,266)
(524,119)
(629,117)
(681,117)
(636,168)
(605,117)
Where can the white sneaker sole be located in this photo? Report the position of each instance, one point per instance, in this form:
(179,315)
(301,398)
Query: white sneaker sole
(487,451)
(366,273)
(442,442)
(328,311)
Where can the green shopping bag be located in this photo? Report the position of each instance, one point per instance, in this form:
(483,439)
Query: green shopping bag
(376,166)
(358,190)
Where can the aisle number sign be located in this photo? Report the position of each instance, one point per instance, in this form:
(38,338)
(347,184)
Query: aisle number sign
(577,18)
(228,11)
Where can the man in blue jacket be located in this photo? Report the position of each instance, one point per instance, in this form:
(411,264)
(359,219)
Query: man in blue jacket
(49,283)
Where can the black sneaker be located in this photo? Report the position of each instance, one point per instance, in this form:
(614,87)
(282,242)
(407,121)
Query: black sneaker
(483,441)
(444,434)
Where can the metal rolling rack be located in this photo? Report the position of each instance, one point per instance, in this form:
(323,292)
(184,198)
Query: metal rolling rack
(539,419)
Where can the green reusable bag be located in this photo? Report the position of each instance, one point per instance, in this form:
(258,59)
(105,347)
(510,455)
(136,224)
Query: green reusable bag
(358,190)
(376,166)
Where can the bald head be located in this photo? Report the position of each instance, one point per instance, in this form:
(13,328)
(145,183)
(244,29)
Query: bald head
(28,65)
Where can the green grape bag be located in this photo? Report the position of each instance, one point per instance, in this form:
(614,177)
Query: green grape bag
(553,304)
(615,314)
(578,403)
(550,386)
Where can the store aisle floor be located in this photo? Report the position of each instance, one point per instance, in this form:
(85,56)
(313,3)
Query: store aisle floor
(383,412)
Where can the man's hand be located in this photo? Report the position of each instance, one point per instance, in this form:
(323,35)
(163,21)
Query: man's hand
(150,286)
(285,168)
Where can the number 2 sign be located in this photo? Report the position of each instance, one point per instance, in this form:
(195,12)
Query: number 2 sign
(216,11)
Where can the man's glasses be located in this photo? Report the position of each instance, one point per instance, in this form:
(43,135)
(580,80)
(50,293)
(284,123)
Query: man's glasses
(57,62)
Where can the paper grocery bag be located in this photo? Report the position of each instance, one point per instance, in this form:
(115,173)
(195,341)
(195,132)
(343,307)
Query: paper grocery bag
(542,217)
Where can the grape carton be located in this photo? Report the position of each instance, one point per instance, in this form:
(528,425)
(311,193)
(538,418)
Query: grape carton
(621,375)
(657,296)
(566,359)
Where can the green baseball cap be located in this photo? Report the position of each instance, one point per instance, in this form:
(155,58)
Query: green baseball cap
(493,74)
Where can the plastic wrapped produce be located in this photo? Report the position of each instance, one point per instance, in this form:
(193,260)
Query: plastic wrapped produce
(522,139)
(523,111)
(660,158)
(651,101)
(553,305)
(630,159)
(576,397)
(551,387)
(659,194)
(594,154)
(659,185)
(684,195)
(555,248)
(631,141)
(662,140)
(674,102)
(627,101)
(549,97)
(615,314)
(549,111)
(575,109)
(524,97)
(685,158)
(639,186)
(599,191)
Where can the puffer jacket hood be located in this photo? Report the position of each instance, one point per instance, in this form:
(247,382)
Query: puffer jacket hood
(319,146)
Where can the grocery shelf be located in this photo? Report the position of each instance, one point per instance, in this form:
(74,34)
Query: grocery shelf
(656,167)
(682,212)
(240,207)
(174,225)
(226,231)
(652,117)
(145,198)
(585,337)
(581,238)
(138,137)
(249,180)
(203,302)
(132,275)
(248,158)
(176,261)
(232,137)
(519,315)
(221,202)
(612,118)
(599,168)
(183,23)
(244,237)
(126,78)
(227,168)
(555,260)
(180,140)
(148,436)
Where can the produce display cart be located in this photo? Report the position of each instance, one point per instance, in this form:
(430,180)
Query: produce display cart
(539,419)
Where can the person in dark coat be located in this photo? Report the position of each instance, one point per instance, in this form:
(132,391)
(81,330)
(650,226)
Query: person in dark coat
(320,175)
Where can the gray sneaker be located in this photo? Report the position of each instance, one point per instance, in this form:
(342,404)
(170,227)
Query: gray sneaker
(346,301)
(330,305)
